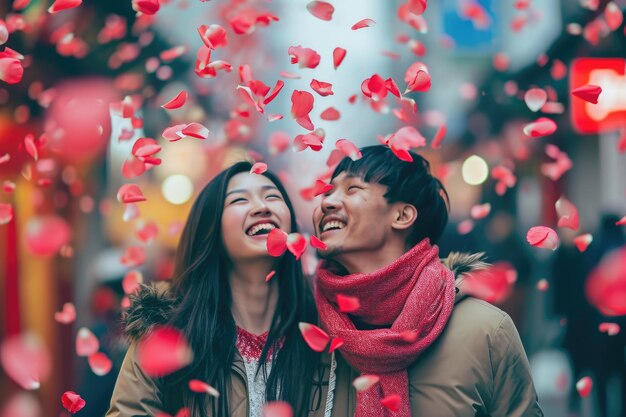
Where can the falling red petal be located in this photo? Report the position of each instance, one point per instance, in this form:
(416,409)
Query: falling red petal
(347,304)
(321,10)
(542,237)
(276,242)
(59,5)
(316,338)
(589,93)
(177,102)
(72,402)
(364,23)
(391,402)
(163,351)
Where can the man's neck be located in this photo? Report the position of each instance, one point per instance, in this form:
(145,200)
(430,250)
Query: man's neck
(253,300)
(371,261)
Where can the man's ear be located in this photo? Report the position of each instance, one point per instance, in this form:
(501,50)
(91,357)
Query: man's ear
(404,216)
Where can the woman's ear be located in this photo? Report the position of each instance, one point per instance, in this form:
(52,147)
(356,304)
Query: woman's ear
(405,215)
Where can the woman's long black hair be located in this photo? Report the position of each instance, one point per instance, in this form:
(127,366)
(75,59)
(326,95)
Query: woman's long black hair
(203,312)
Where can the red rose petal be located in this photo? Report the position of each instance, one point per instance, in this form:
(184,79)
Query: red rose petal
(417,78)
(338,55)
(613,15)
(148,7)
(542,237)
(163,351)
(335,344)
(540,127)
(480,211)
(330,114)
(321,10)
(317,243)
(196,130)
(86,342)
(258,168)
(130,193)
(493,284)
(304,57)
(133,256)
(278,142)
(11,70)
(589,93)
(276,242)
(296,243)
(72,402)
(177,102)
(59,5)
(349,149)
(605,287)
(316,338)
(583,241)
(391,402)
(100,363)
(213,36)
(439,136)
(584,386)
(364,23)
(611,329)
(568,214)
(270,276)
(322,88)
(202,387)
(347,304)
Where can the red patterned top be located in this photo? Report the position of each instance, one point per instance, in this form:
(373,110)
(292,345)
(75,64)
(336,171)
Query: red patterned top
(250,345)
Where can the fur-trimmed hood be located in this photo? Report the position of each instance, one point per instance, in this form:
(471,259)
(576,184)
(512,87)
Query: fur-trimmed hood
(153,304)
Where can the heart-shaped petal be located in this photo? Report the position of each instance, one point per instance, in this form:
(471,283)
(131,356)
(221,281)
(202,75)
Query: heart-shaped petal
(583,241)
(66,315)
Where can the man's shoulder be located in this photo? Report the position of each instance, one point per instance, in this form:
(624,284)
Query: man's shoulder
(476,316)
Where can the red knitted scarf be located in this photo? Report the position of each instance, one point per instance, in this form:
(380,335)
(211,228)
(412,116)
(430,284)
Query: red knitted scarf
(412,298)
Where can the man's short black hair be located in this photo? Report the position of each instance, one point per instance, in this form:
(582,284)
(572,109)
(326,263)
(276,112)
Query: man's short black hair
(408,182)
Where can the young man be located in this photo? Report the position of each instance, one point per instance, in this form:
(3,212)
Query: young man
(402,313)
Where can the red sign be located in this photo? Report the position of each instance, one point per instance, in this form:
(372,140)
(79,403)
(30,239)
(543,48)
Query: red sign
(610,112)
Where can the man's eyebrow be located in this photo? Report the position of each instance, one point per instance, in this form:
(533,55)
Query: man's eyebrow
(241,190)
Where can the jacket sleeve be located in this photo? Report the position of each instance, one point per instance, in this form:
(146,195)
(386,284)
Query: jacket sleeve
(135,394)
(514,392)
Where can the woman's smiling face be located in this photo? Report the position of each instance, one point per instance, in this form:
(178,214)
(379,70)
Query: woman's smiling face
(252,207)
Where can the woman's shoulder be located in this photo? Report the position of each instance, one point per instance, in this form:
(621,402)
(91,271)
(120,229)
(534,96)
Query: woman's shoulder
(152,305)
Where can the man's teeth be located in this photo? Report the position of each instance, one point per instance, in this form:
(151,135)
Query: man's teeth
(334,224)
(263,226)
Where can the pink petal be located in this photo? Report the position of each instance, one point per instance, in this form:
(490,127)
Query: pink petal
(417,7)
(72,402)
(59,5)
(330,114)
(213,36)
(31,148)
(305,57)
(11,70)
(535,98)
(296,243)
(310,140)
(605,287)
(270,276)
(100,363)
(540,127)
(364,23)
(130,193)
(480,211)
(611,329)
(335,344)
(177,102)
(417,78)
(542,285)
(558,70)
(613,15)
(567,212)
(25,360)
(316,338)
(195,130)
(621,222)
(439,136)
(66,315)
(86,342)
(277,409)
(391,402)
(133,167)
(272,95)
(584,386)
(316,243)
(45,236)
(173,53)
(276,242)
(338,55)
(347,304)
(133,256)
(321,10)
(583,241)
(301,104)
(6,213)
(132,282)
(322,88)
(589,93)
(278,143)
(542,237)
(163,351)
(147,231)
(258,168)
(365,382)
(493,284)
(349,149)
(148,7)
(202,387)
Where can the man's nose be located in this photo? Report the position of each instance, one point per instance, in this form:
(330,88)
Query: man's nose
(330,203)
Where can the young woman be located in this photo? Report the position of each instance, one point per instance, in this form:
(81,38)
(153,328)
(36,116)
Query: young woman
(242,330)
